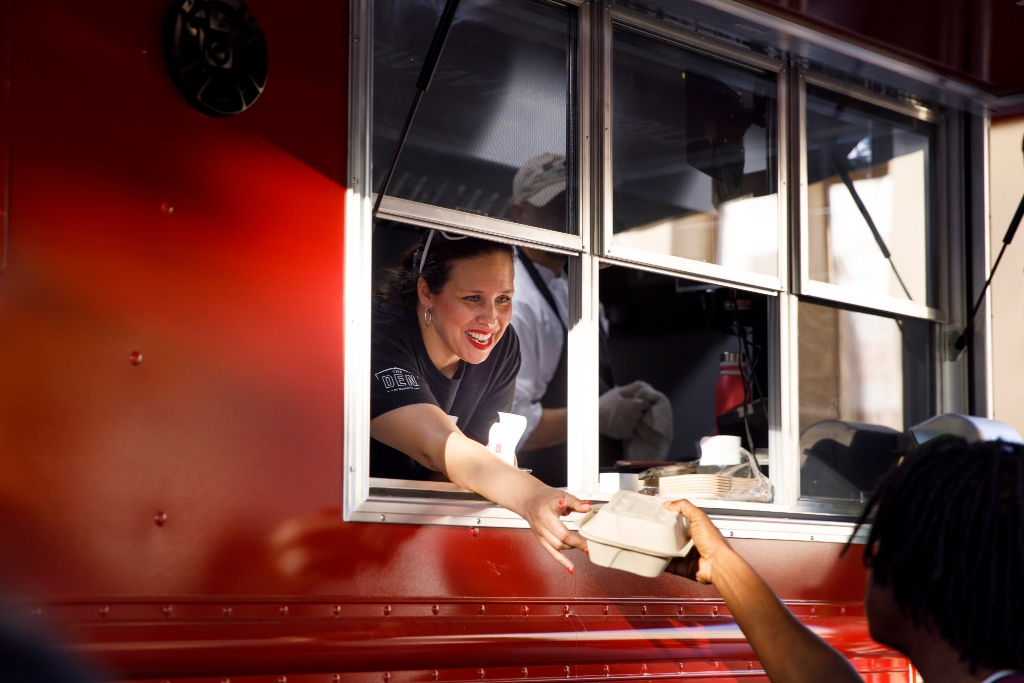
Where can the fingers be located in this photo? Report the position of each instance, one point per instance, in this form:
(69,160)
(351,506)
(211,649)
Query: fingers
(573,503)
(574,540)
(685,566)
(559,557)
(690,510)
(557,535)
(692,513)
(677,506)
(549,529)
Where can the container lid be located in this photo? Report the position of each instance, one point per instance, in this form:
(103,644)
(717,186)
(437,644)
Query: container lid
(637,522)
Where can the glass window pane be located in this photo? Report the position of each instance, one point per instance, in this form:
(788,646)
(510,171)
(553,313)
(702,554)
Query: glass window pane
(870,176)
(694,156)
(684,338)
(499,104)
(864,379)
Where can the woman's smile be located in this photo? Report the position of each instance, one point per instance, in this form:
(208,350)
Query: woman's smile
(481,340)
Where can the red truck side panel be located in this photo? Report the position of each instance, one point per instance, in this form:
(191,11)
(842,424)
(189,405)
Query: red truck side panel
(171,404)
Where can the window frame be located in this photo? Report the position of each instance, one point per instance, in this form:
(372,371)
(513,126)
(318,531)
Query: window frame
(642,25)
(787,517)
(827,291)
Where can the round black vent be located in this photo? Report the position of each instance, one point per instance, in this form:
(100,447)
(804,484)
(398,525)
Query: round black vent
(216,54)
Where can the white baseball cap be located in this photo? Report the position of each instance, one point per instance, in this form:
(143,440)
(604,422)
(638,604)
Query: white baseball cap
(540,180)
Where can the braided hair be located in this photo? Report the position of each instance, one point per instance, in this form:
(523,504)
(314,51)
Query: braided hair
(948,535)
(442,251)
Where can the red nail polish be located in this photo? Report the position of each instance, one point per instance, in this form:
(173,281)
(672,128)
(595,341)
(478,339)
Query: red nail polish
(586,550)
(561,501)
(569,569)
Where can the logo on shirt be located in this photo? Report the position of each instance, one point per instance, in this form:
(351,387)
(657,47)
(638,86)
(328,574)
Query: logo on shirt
(397,379)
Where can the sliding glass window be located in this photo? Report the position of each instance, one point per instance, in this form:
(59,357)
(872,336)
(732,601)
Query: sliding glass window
(695,168)
(864,380)
(494,133)
(871,234)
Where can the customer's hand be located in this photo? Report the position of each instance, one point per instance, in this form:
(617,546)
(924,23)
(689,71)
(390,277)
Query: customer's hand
(619,409)
(543,511)
(708,545)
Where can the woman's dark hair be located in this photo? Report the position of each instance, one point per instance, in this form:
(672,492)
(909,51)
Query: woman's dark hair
(399,285)
(948,536)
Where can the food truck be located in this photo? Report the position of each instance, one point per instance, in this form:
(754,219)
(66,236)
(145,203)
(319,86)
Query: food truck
(788,194)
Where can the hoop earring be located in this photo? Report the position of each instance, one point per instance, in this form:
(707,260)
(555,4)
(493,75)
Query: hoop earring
(428,317)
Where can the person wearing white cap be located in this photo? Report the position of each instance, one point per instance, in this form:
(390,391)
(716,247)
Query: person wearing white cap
(540,314)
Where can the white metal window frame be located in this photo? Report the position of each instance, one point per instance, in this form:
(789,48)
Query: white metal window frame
(376,500)
(935,228)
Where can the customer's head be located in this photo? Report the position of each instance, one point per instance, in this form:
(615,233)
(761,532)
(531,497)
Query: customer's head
(946,551)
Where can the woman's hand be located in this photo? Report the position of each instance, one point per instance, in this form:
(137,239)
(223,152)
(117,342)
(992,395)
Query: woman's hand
(543,510)
(708,544)
(423,432)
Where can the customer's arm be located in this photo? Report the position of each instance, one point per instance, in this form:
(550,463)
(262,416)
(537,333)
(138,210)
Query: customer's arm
(788,650)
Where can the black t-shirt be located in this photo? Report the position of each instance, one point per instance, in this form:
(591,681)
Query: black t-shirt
(403,375)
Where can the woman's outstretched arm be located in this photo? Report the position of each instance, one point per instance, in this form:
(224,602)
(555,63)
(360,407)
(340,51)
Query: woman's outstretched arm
(788,650)
(423,432)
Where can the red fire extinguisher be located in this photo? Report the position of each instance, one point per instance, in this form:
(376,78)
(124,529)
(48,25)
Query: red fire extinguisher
(730,392)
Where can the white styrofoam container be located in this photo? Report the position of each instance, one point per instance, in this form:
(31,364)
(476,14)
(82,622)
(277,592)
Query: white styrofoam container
(635,533)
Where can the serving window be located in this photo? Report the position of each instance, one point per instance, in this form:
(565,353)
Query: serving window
(689,341)
(653,169)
